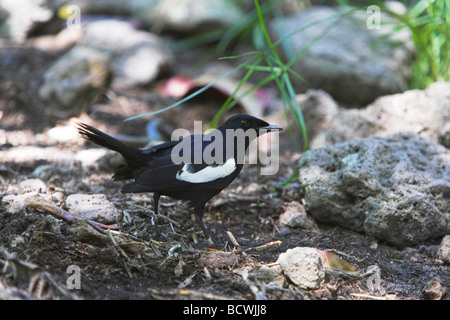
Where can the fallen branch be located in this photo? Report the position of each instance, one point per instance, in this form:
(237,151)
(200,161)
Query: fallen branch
(63,214)
(104,232)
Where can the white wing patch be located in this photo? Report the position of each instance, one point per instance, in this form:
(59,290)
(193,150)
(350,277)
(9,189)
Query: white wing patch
(207,174)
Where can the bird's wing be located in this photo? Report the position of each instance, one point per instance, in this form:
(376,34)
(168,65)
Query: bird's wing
(154,150)
(165,174)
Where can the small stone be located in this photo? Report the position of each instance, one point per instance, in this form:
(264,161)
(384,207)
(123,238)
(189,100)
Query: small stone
(88,157)
(63,133)
(17,203)
(295,216)
(138,57)
(43,172)
(111,161)
(76,78)
(32,185)
(92,207)
(434,289)
(220,260)
(444,249)
(272,275)
(303,267)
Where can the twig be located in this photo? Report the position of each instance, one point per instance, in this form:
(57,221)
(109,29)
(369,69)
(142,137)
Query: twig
(121,252)
(60,213)
(63,214)
(60,288)
(368,296)
(116,245)
(187,281)
(268,245)
(159,215)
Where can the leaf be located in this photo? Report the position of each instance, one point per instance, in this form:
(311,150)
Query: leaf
(333,262)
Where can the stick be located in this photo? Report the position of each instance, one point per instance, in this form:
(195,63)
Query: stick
(268,245)
(63,214)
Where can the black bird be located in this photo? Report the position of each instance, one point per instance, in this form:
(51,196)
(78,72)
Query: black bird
(195,168)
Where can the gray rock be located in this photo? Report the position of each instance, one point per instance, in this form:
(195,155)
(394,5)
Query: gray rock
(29,191)
(32,185)
(434,289)
(43,172)
(444,135)
(194,15)
(92,207)
(272,275)
(63,133)
(318,108)
(111,52)
(344,62)
(17,203)
(138,57)
(88,157)
(303,267)
(76,78)
(295,216)
(396,189)
(423,111)
(187,16)
(444,249)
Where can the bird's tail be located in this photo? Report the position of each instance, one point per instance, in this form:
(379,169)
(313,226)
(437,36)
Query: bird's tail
(133,156)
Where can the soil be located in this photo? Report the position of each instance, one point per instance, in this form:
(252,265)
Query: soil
(37,247)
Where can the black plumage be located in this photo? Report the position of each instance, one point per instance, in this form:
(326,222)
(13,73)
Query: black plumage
(195,168)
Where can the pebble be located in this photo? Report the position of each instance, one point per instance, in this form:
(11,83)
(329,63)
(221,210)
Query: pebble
(16,203)
(63,133)
(88,157)
(220,259)
(444,249)
(434,289)
(94,207)
(43,172)
(32,185)
(303,266)
(295,216)
(31,190)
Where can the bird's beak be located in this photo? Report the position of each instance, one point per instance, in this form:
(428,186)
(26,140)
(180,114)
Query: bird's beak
(270,127)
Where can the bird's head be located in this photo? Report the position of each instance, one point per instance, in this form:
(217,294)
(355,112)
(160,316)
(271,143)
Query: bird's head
(239,131)
(247,123)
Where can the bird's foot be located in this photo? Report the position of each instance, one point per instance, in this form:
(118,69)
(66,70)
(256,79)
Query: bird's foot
(157,232)
(210,243)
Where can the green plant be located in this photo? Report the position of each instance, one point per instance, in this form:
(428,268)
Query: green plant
(264,60)
(267,60)
(429,24)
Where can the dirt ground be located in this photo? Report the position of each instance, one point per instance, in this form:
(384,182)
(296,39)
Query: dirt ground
(36,247)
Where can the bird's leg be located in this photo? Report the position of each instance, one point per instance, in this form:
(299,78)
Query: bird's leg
(155,204)
(156,211)
(198,217)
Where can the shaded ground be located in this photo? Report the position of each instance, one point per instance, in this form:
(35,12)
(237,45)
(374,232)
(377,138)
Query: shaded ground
(141,269)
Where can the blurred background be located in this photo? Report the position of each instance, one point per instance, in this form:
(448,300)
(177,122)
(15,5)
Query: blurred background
(327,71)
(110,60)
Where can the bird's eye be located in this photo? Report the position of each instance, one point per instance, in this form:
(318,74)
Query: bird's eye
(244,123)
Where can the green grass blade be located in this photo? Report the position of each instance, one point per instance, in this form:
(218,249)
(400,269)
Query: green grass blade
(196,93)
(228,104)
(298,110)
(264,30)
